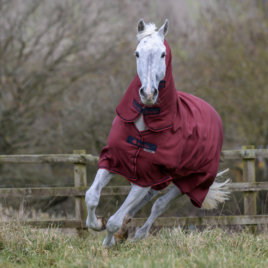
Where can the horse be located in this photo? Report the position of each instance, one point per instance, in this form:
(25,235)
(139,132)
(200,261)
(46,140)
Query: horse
(159,135)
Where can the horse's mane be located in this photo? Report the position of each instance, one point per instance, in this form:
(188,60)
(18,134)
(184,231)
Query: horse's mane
(149,30)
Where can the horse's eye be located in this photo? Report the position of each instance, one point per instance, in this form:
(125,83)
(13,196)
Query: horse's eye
(137,54)
(163,55)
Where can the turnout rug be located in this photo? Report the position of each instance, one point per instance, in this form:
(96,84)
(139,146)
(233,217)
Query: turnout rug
(182,142)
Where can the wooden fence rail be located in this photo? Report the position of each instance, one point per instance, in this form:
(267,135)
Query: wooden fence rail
(250,187)
(110,190)
(164,221)
(90,159)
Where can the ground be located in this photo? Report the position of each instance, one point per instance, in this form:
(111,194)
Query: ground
(21,246)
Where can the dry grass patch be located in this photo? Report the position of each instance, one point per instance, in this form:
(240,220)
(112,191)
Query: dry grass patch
(22,246)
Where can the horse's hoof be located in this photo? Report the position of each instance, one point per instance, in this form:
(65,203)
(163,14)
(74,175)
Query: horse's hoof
(102,222)
(110,244)
(121,235)
(140,235)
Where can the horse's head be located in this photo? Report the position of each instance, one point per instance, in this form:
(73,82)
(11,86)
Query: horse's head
(150,54)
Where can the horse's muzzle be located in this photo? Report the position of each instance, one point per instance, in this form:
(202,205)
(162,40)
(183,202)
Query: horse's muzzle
(148,98)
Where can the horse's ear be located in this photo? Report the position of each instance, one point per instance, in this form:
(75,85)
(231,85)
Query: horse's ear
(141,26)
(164,29)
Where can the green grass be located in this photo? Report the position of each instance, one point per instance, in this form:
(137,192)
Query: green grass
(22,246)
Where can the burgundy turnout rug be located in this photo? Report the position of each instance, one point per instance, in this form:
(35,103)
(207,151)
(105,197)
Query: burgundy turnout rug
(181,145)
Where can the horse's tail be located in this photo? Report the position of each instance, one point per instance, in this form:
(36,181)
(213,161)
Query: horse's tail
(217,193)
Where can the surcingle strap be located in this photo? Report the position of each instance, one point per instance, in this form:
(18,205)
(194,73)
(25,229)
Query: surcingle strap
(146,111)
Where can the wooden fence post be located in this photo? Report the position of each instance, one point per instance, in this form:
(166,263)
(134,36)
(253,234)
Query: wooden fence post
(80,180)
(250,204)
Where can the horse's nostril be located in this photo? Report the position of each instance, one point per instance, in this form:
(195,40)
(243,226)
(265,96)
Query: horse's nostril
(142,92)
(155,92)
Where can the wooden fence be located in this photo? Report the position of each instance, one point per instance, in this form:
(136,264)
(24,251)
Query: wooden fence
(79,158)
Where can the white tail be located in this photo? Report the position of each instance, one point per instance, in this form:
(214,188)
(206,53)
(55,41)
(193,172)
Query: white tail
(217,193)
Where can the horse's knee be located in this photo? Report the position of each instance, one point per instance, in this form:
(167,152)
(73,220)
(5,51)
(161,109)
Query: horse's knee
(92,198)
(113,225)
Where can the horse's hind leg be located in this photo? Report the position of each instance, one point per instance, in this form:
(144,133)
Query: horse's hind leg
(149,196)
(122,233)
(159,207)
(135,195)
(92,199)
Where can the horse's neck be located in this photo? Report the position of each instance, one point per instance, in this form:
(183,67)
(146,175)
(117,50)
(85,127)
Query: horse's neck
(140,124)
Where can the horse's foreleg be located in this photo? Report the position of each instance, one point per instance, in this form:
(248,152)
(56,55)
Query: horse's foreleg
(122,233)
(92,199)
(159,207)
(135,195)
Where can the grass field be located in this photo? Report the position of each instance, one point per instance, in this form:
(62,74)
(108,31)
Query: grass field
(22,246)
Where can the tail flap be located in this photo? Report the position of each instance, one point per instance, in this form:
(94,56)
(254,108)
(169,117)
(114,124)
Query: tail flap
(218,193)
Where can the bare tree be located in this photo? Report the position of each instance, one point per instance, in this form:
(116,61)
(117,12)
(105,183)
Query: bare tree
(227,65)
(45,47)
